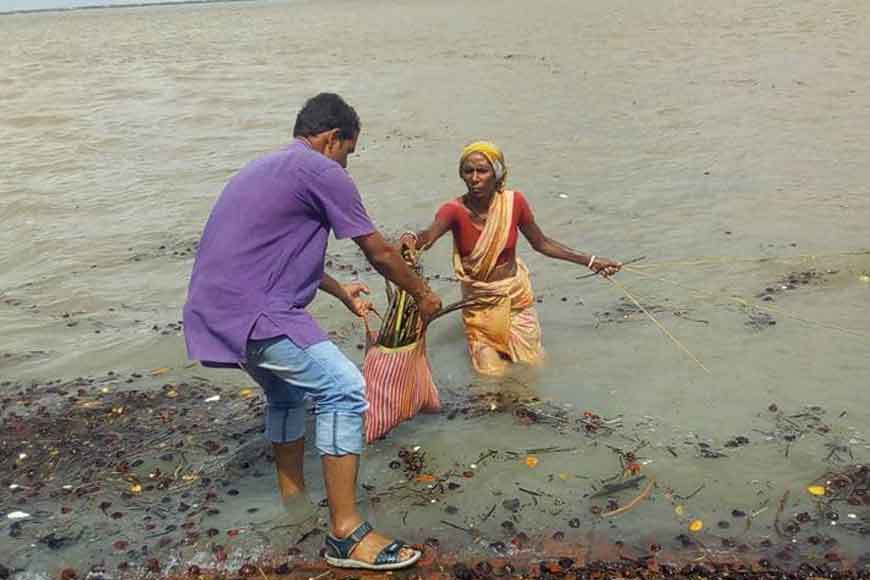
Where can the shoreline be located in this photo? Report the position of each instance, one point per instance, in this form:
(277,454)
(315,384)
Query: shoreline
(164,455)
(557,559)
(116,6)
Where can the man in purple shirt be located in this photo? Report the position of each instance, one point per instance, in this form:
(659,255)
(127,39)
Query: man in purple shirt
(260,263)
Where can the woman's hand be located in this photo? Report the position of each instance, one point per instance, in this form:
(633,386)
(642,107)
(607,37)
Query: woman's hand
(408,247)
(408,240)
(604,266)
(356,303)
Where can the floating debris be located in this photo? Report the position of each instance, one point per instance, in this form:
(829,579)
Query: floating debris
(816,490)
(759,320)
(164,465)
(612,488)
(626,311)
(793,281)
(850,486)
(529,410)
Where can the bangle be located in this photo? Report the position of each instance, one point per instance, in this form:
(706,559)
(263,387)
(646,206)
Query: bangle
(591,261)
(410,233)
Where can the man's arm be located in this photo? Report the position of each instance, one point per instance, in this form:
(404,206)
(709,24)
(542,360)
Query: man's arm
(331,286)
(349,294)
(386,259)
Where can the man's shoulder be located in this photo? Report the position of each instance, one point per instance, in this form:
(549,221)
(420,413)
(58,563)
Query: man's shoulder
(294,168)
(307,159)
(291,158)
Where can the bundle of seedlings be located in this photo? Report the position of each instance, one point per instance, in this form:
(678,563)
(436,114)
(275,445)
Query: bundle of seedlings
(401,323)
(396,368)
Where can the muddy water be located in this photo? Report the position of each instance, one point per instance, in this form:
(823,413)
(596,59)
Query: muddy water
(702,136)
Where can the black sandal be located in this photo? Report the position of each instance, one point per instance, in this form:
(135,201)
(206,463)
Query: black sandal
(338,552)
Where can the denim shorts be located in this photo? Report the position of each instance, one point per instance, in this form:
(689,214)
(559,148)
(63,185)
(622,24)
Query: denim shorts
(290,375)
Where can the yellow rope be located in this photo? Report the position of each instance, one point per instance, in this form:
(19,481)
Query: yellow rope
(730,259)
(749,304)
(659,324)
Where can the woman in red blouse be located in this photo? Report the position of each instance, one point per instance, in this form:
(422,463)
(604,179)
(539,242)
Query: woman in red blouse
(485,223)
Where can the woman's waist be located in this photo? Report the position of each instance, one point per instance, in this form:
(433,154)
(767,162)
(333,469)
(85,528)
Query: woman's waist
(514,286)
(503,270)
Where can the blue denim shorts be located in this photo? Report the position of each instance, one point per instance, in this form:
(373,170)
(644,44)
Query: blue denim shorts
(290,375)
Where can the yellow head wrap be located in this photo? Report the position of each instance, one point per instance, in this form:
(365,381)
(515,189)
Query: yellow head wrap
(492,153)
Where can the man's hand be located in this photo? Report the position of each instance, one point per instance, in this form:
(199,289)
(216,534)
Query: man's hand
(428,304)
(355,302)
(387,260)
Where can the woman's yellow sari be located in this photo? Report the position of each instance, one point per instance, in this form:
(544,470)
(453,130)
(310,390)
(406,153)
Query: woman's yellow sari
(505,326)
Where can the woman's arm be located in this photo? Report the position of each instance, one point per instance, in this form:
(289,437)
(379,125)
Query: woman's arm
(553,249)
(424,239)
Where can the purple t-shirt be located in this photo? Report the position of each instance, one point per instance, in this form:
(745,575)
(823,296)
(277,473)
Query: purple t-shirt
(260,260)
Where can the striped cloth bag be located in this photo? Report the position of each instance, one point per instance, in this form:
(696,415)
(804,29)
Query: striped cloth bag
(398,386)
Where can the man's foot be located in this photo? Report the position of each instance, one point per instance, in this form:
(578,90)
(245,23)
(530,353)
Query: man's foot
(373,543)
(365,548)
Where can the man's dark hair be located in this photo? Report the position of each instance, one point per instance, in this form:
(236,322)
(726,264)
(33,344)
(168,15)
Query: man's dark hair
(325,112)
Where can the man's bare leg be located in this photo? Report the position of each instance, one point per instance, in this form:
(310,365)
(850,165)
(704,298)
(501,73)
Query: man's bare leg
(289,459)
(340,473)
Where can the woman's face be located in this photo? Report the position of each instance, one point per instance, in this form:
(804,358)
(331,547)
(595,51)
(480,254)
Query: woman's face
(478,175)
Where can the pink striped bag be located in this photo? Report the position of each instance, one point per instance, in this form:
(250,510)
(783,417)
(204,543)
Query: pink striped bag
(398,385)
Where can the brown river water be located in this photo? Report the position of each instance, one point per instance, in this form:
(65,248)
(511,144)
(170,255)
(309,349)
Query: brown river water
(726,142)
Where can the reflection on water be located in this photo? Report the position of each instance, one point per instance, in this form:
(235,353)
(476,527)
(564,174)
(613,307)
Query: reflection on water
(724,143)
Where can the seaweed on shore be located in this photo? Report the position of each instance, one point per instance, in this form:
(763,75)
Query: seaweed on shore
(529,409)
(793,281)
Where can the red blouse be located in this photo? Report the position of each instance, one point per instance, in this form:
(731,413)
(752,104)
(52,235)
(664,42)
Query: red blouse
(466,232)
